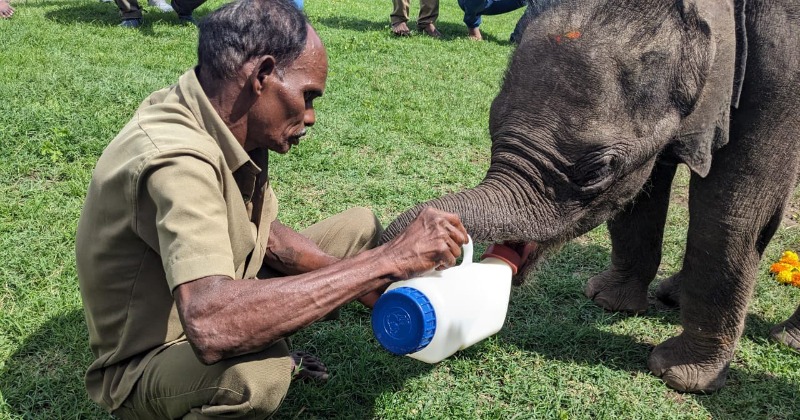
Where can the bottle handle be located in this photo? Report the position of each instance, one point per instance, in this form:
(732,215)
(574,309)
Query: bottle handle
(466,252)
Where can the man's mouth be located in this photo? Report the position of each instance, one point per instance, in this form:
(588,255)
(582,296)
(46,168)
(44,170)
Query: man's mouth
(295,140)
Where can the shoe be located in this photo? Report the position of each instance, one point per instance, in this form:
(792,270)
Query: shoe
(131,23)
(106,1)
(160,5)
(187,19)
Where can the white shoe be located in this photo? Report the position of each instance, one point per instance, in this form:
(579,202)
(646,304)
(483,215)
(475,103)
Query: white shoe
(161,5)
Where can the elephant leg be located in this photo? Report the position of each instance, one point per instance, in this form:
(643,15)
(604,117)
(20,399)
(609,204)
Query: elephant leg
(636,236)
(669,289)
(736,208)
(788,332)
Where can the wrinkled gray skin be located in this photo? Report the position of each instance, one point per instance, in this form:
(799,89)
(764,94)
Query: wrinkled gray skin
(590,130)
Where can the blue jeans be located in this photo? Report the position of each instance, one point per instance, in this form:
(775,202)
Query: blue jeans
(299,4)
(474,9)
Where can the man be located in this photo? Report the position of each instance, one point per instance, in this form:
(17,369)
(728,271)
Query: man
(131,12)
(428,12)
(180,228)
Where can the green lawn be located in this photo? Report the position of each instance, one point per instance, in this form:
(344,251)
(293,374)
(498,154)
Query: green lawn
(402,120)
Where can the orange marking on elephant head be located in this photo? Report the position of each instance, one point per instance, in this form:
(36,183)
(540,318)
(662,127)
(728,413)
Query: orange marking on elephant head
(569,36)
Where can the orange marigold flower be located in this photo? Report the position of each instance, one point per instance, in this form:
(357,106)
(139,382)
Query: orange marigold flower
(779,267)
(789,257)
(796,279)
(784,277)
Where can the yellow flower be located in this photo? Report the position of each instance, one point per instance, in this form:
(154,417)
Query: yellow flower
(779,267)
(790,258)
(784,277)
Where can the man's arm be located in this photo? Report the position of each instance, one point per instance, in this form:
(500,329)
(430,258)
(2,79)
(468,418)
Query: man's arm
(224,318)
(292,253)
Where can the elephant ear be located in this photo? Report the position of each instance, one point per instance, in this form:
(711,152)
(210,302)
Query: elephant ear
(705,80)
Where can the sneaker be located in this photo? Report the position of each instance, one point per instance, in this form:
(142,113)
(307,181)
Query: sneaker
(160,5)
(131,23)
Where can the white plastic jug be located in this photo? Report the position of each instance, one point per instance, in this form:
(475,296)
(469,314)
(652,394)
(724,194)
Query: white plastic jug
(432,316)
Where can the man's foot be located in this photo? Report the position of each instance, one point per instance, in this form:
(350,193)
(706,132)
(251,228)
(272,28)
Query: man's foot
(160,5)
(5,9)
(306,367)
(186,20)
(474,34)
(400,29)
(131,23)
(430,30)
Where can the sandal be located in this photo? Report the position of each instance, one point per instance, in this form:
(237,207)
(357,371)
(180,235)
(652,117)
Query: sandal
(398,29)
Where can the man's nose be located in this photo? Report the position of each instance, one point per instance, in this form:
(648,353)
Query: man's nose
(310,117)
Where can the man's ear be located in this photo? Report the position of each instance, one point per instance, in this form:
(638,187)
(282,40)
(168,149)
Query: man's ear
(263,69)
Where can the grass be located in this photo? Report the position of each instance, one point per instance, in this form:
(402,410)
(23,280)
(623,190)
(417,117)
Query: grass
(402,121)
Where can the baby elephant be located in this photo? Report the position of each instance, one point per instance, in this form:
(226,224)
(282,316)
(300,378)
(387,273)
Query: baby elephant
(601,101)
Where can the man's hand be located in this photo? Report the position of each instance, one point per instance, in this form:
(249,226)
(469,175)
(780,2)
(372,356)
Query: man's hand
(432,240)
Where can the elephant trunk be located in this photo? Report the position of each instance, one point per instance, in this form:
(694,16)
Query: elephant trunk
(494,211)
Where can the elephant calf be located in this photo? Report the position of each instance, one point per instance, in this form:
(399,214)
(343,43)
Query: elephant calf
(601,101)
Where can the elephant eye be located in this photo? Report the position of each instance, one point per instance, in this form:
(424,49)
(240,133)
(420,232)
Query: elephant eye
(595,171)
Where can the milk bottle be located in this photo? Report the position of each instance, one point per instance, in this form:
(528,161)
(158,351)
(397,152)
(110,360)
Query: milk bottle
(432,316)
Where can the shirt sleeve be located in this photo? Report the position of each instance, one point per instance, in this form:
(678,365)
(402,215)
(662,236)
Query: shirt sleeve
(191,219)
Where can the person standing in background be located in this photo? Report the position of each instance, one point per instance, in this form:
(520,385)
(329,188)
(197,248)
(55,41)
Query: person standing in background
(428,12)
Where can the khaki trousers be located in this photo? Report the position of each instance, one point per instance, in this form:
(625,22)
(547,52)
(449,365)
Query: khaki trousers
(130,8)
(176,385)
(428,12)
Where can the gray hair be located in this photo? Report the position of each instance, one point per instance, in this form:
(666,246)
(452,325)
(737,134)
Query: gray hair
(244,29)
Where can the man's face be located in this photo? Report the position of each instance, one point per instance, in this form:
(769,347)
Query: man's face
(279,117)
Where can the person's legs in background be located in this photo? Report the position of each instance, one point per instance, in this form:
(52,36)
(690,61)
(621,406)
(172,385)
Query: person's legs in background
(474,9)
(131,13)
(428,13)
(185,8)
(399,18)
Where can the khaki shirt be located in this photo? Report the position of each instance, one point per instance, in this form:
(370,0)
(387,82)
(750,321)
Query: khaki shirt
(173,198)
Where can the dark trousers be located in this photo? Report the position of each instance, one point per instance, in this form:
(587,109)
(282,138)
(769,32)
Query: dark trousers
(129,9)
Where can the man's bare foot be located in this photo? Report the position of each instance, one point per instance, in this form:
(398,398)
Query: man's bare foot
(430,30)
(398,29)
(307,368)
(5,9)
(474,34)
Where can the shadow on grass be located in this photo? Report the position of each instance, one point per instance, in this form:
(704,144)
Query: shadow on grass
(551,317)
(361,371)
(450,31)
(43,379)
(107,15)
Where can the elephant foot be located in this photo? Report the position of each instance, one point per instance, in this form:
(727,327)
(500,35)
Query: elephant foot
(787,332)
(669,291)
(614,292)
(686,370)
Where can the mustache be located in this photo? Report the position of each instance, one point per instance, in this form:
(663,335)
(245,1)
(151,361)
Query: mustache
(299,134)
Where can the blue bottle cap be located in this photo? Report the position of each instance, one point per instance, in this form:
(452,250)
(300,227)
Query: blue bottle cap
(403,320)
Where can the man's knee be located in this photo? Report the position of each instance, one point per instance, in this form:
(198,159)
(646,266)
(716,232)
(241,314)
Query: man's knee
(257,386)
(366,228)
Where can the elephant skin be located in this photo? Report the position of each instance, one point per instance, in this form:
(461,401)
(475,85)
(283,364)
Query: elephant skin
(602,99)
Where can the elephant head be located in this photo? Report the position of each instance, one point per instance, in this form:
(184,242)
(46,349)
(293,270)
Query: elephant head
(595,94)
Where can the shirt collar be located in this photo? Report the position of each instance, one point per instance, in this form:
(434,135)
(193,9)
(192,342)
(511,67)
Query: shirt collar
(192,93)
